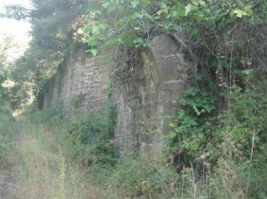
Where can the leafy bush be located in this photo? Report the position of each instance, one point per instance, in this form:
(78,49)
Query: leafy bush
(95,133)
(233,141)
(86,139)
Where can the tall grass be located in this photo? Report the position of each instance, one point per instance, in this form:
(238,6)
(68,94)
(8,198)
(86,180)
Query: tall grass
(46,169)
(6,133)
(73,159)
(53,163)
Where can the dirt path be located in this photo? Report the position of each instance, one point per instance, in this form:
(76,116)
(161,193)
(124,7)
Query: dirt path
(8,185)
(7,181)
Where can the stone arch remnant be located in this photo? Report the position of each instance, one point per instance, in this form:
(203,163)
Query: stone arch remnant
(147,88)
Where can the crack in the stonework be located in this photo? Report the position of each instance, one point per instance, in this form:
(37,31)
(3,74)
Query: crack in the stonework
(177,50)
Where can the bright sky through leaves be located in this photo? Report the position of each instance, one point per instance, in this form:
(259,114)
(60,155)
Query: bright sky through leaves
(19,29)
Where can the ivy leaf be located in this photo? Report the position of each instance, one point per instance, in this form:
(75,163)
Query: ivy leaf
(95,30)
(248,10)
(195,2)
(86,29)
(165,9)
(188,9)
(148,2)
(172,135)
(135,3)
(105,5)
(94,52)
(202,3)
(196,110)
(138,42)
(240,13)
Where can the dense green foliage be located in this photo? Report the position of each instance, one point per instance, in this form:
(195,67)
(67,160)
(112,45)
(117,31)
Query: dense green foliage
(236,138)
(9,94)
(4,68)
(136,22)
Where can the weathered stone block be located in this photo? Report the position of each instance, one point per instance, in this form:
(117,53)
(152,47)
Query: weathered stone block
(156,85)
(171,91)
(80,75)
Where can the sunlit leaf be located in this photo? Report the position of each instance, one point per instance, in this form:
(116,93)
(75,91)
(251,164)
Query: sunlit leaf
(188,9)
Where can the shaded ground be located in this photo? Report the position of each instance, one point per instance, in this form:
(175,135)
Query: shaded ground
(7,181)
(8,185)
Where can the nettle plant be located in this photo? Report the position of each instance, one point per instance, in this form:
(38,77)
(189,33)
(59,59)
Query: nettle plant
(191,130)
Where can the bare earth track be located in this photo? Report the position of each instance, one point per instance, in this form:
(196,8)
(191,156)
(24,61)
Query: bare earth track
(7,182)
(8,185)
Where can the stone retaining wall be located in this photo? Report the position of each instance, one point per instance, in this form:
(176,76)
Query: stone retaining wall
(146,88)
